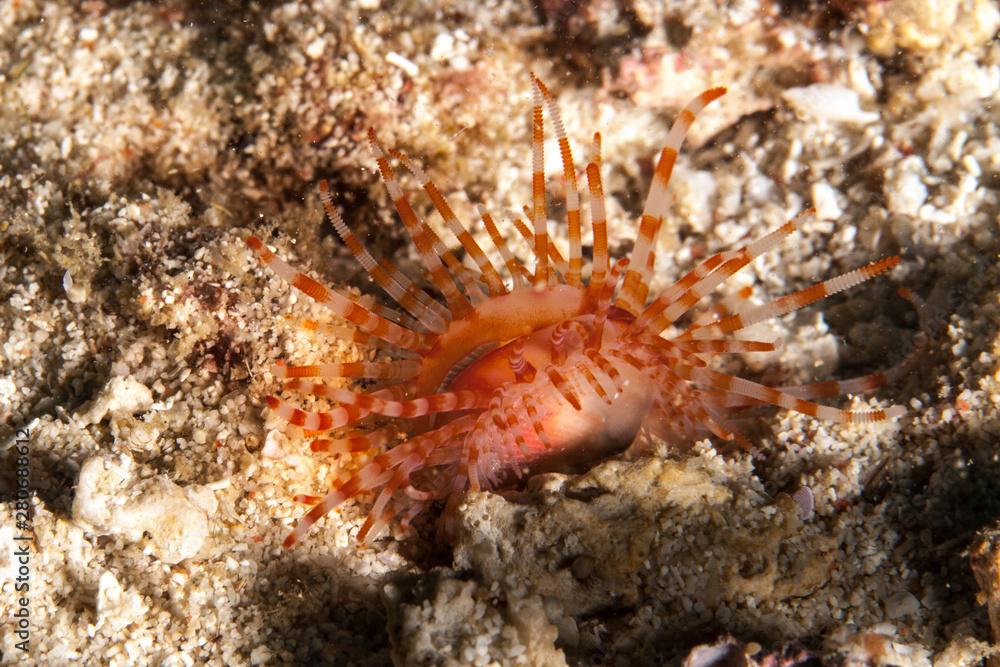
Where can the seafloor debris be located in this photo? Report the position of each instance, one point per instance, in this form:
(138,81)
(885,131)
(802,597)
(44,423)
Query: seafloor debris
(111,498)
(440,619)
(929,25)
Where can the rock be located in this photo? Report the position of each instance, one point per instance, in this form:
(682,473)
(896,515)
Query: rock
(930,25)
(904,187)
(438,619)
(900,604)
(112,500)
(610,534)
(121,395)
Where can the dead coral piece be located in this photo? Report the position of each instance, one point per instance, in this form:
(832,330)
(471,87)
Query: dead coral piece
(121,396)
(446,621)
(582,542)
(924,26)
(829,102)
(111,499)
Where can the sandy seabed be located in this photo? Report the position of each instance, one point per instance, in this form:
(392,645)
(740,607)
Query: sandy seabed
(140,143)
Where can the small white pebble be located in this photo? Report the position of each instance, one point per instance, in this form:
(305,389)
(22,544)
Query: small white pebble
(906,193)
(75,293)
(402,63)
(825,199)
(900,604)
(315,48)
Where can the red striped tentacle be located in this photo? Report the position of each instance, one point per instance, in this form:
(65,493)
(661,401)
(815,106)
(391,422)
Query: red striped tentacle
(354,335)
(539,215)
(536,422)
(560,339)
(340,304)
(486,268)
(598,218)
(423,237)
(519,275)
(765,394)
(380,370)
(558,264)
(636,286)
(607,367)
(385,274)
(665,310)
(825,389)
(856,385)
(563,385)
(693,409)
(790,302)
(585,371)
(604,303)
(352,403)
(683,284)
(353,443)
(408,456)
(523,370)
(572,189)
(383,509)
(728,346)
(515,426)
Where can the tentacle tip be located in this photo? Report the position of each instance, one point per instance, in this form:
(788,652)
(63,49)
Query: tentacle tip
(324,185)
(778,344)
(290,541)
(542,88)
(272,401)
(716,93)
(255,243)
(895,412)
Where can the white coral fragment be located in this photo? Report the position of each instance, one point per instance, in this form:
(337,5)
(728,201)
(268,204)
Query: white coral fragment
(829,102)
(121,395)
(112,499)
